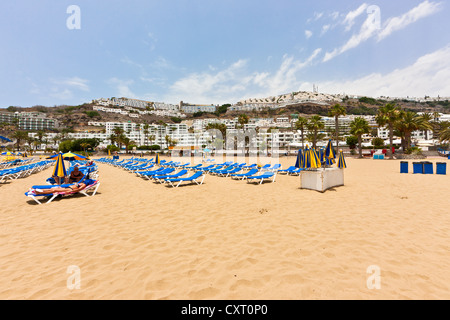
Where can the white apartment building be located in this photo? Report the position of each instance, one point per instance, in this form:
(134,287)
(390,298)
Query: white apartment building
(198,108)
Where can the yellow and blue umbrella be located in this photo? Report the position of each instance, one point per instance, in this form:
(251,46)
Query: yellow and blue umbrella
(60,169)
(311,159)
(341,161)
(315,160)
(9,155)
(70,156)
(330,154)
(109,153)
(157,159)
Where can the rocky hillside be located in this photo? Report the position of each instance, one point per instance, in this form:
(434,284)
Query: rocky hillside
(77,117)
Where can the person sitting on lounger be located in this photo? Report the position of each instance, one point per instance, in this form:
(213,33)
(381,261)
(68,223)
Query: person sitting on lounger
(73,188)
(75,176)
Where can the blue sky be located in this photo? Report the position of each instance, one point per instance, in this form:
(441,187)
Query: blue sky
(207,51)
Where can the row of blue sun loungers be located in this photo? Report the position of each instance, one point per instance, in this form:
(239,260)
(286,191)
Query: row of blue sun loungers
(147,169)
(16,162)
(23,171)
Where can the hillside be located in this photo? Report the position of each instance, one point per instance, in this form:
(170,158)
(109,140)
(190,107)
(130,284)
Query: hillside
(77,117)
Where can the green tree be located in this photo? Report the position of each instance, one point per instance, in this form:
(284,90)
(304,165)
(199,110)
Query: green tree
(146,132)
(336,111)
(358,127)
(426,123)
(243,120)
(65,146)
(218,126)
(444,135)
(222,109)
(378,142)
(20,136)
(407,123)
(352,141)
(315,125)
(301,124)
(388,115)
(40,137)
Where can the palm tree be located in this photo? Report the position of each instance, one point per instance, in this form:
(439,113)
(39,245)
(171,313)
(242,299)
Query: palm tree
(426,118)
(301,125)
(435,124)
(19,136)
(40,137)
(444,135)
(30,140)
(243,119)
(127,142)
(358,127)
(315,124)
(152,138)
(120,139)
(146,132)
(84,145)
(336,111)
(388,115)
(407,123)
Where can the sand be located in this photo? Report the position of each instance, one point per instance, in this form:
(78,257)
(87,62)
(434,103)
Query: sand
(231,240)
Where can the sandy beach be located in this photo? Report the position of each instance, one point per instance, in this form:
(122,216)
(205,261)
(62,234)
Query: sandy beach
(228,239)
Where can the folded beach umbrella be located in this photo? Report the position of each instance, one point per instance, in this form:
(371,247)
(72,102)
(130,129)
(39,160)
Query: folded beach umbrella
(315,160)
(330,154)
(60,169)
(299,162)
(321,154)
(306,158)
(341,161)
(109,153)
(157,159)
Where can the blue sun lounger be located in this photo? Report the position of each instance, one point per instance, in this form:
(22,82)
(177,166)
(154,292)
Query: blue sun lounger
(198,166)
(297,171)
(193,178)
(143,173)
(165,171)
(90,184)
(262,177)
(288,170)
(244,175)
(226,173)
(273,169)
(161,178)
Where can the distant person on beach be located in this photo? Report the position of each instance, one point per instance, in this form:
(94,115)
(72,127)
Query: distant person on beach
(74,188)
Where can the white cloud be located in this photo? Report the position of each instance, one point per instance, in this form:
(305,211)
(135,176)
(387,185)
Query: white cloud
(235,82)
(424,9)
(427,76)
(308,34)
(317,16)
(349,20)
(75,82)
(371,28)
(122,87)
(334,15)
(325,28)
(65,94)
(368,29)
